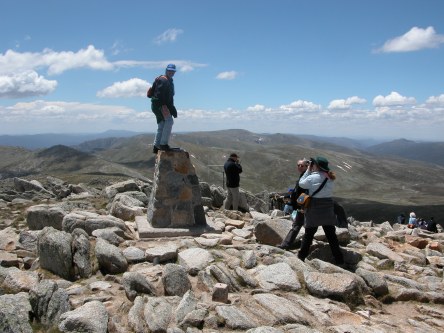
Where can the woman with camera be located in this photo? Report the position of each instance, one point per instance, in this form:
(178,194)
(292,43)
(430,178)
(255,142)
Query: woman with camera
(320,211)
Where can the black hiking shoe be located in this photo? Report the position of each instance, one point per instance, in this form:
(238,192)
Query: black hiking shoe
(165,148)
(155,150)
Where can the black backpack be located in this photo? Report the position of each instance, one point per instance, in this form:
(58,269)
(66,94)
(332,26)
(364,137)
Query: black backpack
(150,92)
(341,216)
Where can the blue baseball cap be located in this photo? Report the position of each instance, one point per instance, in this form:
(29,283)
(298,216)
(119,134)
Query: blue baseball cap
(171,67)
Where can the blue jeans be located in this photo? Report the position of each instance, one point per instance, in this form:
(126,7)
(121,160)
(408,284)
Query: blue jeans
(164,131)
(288,209)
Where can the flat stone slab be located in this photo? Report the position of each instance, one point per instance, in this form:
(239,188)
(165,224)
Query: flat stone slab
(146,230)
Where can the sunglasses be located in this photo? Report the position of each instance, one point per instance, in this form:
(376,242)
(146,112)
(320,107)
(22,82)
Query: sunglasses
(301,165)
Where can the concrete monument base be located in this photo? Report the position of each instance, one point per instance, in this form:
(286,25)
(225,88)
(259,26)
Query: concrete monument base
(175,205)
(146,230)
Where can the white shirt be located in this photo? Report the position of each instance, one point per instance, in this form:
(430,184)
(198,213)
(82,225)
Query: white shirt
(313,180)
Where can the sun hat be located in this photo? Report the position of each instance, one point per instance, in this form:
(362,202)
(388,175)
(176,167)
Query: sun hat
(171,67)
(322,163)
(234,155)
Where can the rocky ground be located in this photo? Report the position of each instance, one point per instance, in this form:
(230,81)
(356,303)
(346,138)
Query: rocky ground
(71,261)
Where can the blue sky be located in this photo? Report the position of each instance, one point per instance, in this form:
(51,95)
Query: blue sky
(359,69)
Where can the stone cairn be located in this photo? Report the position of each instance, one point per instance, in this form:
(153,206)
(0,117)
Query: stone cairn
(175,200)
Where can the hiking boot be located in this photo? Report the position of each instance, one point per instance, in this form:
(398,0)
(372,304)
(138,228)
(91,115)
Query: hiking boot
(347,267)
(155,150)
(283,247)
(165,147)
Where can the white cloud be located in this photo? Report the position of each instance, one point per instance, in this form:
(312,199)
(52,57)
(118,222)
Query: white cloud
(19,78)
(118,48)
(301,105)
(182,65)
(231,75)
(413,40)
(131,88)
(256,108)
(436,100)
(345,104)
(92,58)
(169,35)
(55,62)
(393,99)
(84,58)
(298,117)
(25,84)
(57,117)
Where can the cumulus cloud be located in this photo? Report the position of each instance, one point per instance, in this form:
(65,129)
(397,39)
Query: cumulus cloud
(58,62)
(393,99)
(231,75)
(301,106)
(297,117)
(66,117)
(24,84)
(131,88)
(256,108)
(69,112)
(413,40)
(18,71)
(169,35)
(345,104)
(55,62)
(436,100)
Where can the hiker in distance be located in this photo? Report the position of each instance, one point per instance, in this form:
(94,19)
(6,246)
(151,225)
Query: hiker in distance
(232,169)
(320,212)
(162,105)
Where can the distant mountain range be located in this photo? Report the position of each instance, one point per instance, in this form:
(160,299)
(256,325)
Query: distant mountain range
(36,141)
(431,152)
(367,177)
(420,151)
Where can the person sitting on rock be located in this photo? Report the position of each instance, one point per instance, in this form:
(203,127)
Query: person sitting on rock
(288,208)
(298,223)
(422,224)
(431,225)
(413,222)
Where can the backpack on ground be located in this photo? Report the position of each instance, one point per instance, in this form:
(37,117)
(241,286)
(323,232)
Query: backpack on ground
(341,216)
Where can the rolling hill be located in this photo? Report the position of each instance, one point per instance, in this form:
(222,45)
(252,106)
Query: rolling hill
(380,185)
(431,152)
(60,161)
(269,163)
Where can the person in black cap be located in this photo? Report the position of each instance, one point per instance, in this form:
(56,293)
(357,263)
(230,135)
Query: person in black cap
(162,105)
(320,212)
(232,169)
